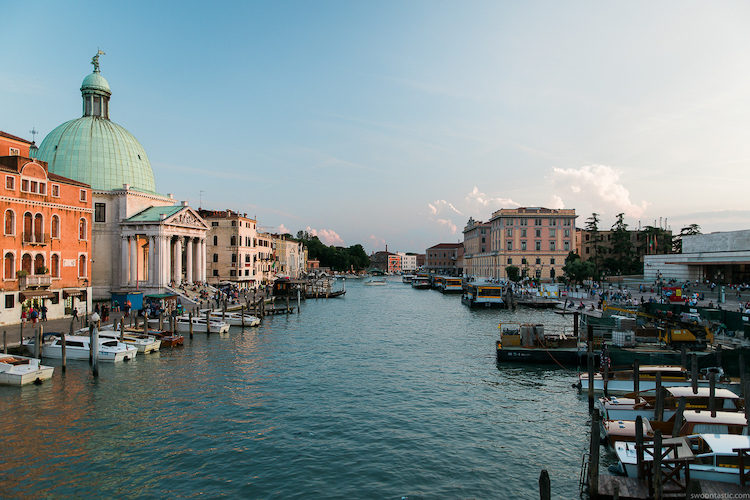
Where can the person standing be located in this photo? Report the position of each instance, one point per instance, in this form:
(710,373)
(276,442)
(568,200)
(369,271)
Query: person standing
(44,312)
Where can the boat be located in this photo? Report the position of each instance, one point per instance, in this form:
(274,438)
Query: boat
(375,282)
(22,370)
(710,457)
(168,339)
(526,342)
(484,294)
(143,343)
(420,282)
(643,404)
(451,285)
(233,318)
(692,422)
(182,325)
(78,347)
(406,278)
(621,381)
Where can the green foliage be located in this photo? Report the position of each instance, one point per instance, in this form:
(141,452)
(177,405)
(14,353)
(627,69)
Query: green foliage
(688,230)
(513,273)
(577,270)
(622,259)
(337,258)
(22,273)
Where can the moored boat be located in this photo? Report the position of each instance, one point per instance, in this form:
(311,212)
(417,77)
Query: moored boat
(78,347)
(484,294)
(621,381)
(420,282)
(233,318)
(643,404)
(21,370)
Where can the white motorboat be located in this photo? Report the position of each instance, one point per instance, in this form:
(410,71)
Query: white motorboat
(232,318)
(629,408)
(21,370)
(407,278)
(621,382)
(712,454)
(143,343)
(182,325)
(375,282)
(78,346)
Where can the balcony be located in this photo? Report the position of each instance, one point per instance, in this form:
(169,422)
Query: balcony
(35,239)
(34,281)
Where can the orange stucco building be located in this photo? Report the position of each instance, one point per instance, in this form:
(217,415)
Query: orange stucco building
(46,239)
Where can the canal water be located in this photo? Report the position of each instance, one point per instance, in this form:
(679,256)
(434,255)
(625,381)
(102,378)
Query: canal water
(387,392)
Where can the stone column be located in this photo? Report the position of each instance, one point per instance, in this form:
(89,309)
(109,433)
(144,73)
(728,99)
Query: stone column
(151,254)
(125,270)
(203,259)
(133,260)
(165,259)
(178,261)
(189,260)
(196,259)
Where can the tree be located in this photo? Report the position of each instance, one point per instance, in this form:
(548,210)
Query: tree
(621,259)
(513,273)
(592,226)
(577,270)
(688,230)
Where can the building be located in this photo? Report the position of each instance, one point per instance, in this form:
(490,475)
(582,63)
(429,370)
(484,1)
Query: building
(445,258)
(421,260)
(10,145)
(408,262)
(142,241)
(46,240)
(394,263)
(231,248)
(645,242)
(722,257)
(290,256)
(534,239)
(265,262)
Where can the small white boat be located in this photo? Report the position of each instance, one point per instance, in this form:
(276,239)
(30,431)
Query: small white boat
(232,318)
(143,343)
(713,455)
(375,282)
(182,325)
(629,408)
(407,278)
(21,370)
(78,346)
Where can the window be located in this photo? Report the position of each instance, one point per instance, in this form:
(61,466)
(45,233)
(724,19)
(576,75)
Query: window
(566,233)
(523,245)
(55,265)
(552,261)
(82,266)
(10,266)
(537,222)
(26,263)
(10,182)
(510,246)
(233,241)
(25,185)
(247,258)
(82,233)
(55,233)
(14,151)
(232,273)
(234,258)
(35,187)
(552,246)
(524,222)
(587,248)
(538,233)
(510,261)
(538,245)
(566,246)
(216,257)
(83,195)
(215,224)
(538,260)
(10,301)
(234,223)
(216,240)
(10,222)
(551,233)
(523,233)
(523,261)
(553,222)
(216,272)
(100,212)
(42,188)
(587,237)
(39,264)
(509,233)
(56,190)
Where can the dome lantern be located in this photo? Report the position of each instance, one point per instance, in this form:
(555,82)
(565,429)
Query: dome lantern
(96,92)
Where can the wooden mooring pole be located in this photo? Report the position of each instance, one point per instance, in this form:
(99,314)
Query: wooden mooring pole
(694,372)
(593,478)
(208,323)
(590,354)
(122,330)
(5,342)
(636,376)
(95,349)
(37,345)
(639,445)
(190,327)
(544,486)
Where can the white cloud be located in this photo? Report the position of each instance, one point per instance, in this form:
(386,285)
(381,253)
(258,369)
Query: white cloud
(376,241)
(282,229)
(327,236)
(437,207)
(598,185)
(449,224)
(492,202)
(556,202)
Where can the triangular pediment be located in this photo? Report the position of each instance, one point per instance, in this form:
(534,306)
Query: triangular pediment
(187,217)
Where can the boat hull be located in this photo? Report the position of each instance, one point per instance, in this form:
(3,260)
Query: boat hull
(563,356)
(24,373)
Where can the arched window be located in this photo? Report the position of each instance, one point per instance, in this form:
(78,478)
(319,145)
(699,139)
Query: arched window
(82,233)
(55,265)
(82,266)
(28,226)
(39,264)
(216,240)
(38,228)
(10,266)
(26,263)
(55,226)
(10,222)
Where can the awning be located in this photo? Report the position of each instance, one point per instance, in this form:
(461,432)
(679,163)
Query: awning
(161,296)
(73,292)
(35,294)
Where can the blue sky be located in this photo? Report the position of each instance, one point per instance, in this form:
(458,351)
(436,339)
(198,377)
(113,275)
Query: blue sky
(394,122)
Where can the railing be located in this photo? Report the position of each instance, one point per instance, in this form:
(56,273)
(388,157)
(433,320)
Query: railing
(35,239)
(39,280)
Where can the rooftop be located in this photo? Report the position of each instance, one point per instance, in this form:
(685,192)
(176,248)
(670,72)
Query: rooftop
(154,214)
(13,137)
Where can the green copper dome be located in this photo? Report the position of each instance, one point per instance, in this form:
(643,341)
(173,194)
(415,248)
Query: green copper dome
(95,150)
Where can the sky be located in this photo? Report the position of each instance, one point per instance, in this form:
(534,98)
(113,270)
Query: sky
(392,122)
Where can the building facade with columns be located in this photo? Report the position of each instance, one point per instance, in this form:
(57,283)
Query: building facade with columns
(142,240)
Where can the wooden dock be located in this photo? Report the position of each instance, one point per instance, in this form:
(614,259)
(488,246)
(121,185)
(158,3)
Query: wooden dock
(628,488)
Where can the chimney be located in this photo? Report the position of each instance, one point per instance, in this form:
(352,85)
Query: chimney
(184,203)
